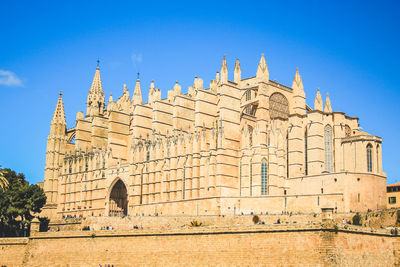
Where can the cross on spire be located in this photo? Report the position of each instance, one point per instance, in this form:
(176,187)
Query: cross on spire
(98,62)
(138,75)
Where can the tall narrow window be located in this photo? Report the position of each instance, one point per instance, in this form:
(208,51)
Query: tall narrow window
(264,177)
(369,158)
(328,149)
(306,152)
(248,95)
(287,155)
(377,158)
(251,178)
(184,182)
(240,177)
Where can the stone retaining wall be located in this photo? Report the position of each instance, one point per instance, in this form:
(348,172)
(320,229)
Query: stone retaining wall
(270,246)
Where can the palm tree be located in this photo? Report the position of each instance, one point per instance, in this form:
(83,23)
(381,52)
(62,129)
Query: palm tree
(3,180)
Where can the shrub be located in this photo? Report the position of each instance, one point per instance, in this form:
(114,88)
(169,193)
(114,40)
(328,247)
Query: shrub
(336,227)
(93,235)
(398,216)
(256,219)
(44,224)
(357,219)
(195,223)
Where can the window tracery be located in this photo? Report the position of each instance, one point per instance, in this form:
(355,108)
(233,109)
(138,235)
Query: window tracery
(328,149)
(264,177)
(278,106)
(347,130)
(248,95)
(369,158)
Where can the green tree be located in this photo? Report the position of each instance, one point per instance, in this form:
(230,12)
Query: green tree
(19,201)
(3,180)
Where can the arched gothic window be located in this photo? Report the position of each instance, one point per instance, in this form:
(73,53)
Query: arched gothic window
(306,152)
(328,148)
(278,106)
(264,177)
(287,155)
(369,158)
(251,178)
(240,177)
(377,158)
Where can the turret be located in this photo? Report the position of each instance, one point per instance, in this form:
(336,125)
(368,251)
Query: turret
(299,95)
(318,104)
(137,94)
(224,71)
(262,74)
(58,123)
(328,107)
(177,88)
(95,101)
(237,75)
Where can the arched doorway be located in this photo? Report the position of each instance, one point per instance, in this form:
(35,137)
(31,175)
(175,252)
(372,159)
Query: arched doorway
(118,200)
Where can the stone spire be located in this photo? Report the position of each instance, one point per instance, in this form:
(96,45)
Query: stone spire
(177,88)
(154,94)
(95,100)
(237,75)
(262,70)
(59,114)
(111,103)
(328,107)
(137,94)
(318,104)
(299,96)
(297,84)
(151,92)
(56,142)
(224,71)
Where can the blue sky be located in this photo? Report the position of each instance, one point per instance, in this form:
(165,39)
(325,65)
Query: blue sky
(347,48)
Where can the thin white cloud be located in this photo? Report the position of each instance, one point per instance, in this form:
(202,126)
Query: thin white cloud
(9,78)
(136,59)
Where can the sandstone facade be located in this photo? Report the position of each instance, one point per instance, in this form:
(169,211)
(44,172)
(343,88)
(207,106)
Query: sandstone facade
(241,146)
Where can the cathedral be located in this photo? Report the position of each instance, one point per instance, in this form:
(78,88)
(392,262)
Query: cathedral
(251,145)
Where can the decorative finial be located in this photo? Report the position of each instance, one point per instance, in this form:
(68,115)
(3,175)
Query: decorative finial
(60,93)
(98,63)
(138,75)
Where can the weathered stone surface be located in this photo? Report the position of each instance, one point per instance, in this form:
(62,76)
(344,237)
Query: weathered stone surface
(252,145)
(196,247)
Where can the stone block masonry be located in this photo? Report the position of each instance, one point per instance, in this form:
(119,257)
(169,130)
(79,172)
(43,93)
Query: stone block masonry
(248,145)
(308,246)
